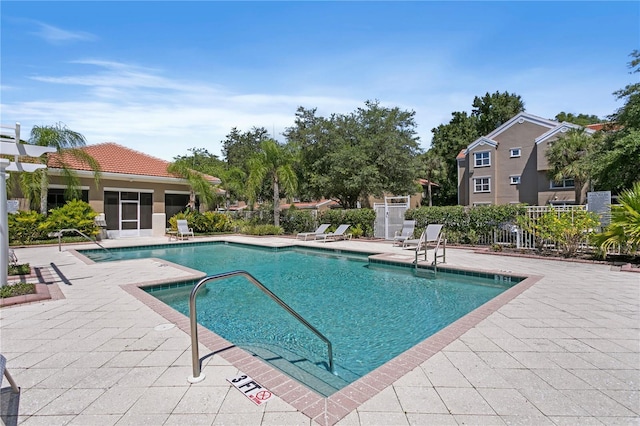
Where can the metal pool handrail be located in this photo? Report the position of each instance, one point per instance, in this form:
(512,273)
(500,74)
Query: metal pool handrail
(193,317)
(86,237)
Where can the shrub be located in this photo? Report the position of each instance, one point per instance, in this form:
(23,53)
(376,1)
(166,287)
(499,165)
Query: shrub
(24,227)
(203,223)
(357,232)
(357,218)
(294,220)
(465,225)
(18,289)
(568,229)
(75,214)
(624,230)
(261,230)
(454,219)
(21,269)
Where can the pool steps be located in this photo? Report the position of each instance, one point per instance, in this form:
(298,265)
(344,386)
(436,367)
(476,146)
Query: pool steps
(313,375)
(193,318)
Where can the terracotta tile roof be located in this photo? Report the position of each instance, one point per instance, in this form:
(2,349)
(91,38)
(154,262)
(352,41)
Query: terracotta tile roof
(461,155)
(596,127)
(425,182)
(114,158)
(604,126)
(310,205)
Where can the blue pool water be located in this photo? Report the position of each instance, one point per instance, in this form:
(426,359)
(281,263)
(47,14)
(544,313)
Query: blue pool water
(370,312)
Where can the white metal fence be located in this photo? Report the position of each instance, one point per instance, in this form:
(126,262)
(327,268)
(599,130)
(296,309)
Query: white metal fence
(511,234)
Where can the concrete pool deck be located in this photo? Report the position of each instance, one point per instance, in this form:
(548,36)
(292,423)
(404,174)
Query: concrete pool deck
(566,350)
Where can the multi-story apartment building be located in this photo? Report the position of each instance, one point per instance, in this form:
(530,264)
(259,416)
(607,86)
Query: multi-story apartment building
(509,165)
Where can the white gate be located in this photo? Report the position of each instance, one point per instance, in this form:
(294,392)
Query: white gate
(389,216)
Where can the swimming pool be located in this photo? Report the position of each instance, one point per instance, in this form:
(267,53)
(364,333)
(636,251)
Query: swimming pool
(370,312)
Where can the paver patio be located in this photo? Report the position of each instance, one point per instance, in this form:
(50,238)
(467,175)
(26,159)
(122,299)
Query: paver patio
(566,350)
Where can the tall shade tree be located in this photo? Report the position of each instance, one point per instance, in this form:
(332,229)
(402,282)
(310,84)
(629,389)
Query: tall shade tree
(202,160)
(198,184)
(495,109)
(371,151)
(68,144)
(628,115)
(275,163)
(569,158)
(580,119)
(448,139)
(616,163)
(238,147)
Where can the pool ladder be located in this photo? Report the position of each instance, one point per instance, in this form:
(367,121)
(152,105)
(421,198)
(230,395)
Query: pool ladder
(423,245)
(193,317)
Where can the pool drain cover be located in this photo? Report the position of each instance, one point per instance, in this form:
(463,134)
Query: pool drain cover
(164,327)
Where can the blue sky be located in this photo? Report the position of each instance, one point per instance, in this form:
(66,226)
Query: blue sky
(163,77)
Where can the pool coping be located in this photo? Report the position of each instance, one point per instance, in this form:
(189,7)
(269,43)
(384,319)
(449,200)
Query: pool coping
(329,410)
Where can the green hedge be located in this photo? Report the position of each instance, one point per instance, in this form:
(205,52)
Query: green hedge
(361,220)
(294,220)
(465,224)
(204,223)
(261,230)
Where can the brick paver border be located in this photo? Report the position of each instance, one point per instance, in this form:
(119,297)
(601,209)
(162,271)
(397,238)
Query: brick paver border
(45,286)
(329,410)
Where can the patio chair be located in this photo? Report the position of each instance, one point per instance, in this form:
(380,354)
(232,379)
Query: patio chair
(408,226)
(432,235)
(338,234)
(13,259)
(9,396)
(183,229)
(321,230)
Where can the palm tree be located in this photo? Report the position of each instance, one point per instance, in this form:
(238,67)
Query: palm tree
(272,162)
(434,170)
(68,144)
(198,184)
(624,229)
(233,181)
(568,158)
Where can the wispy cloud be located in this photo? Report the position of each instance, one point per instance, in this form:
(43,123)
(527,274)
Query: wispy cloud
(141,108)
(149,110)
(56,36)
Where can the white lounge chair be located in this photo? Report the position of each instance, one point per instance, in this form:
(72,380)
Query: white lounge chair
(9,396)
(408,226)
(13,259)
(338,234)
(183,229)
(429,235)
(432,235)
(321,230)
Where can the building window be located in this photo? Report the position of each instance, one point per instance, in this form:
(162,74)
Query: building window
(515,152)
(564,183)
(482,159)
(482,184)
(514,180)
(56,197)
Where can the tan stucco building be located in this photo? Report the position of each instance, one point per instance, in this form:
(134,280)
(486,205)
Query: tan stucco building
(136,193)
(509,165)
